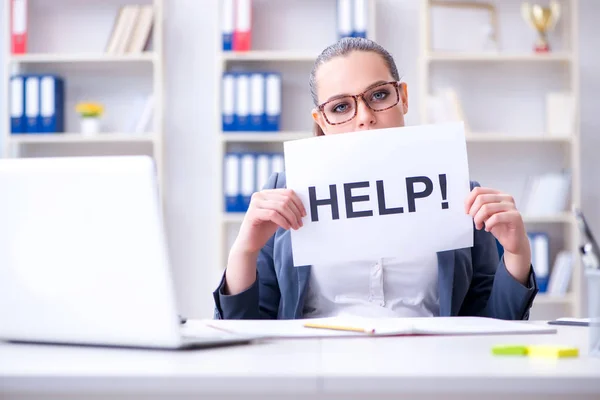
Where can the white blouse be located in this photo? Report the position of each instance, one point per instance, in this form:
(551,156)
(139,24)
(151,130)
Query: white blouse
(381,288)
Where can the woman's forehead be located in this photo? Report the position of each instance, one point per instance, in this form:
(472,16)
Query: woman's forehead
(350,74)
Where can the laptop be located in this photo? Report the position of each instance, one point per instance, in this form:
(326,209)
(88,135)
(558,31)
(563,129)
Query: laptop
(83,256)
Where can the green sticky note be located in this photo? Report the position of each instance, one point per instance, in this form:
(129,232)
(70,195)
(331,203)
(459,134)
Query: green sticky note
(509,350)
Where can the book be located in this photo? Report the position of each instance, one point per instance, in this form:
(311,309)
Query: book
(344,326)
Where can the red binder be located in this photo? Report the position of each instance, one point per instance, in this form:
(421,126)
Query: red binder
(18,26)
(242,34)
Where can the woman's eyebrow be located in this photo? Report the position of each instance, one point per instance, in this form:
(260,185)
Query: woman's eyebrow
(368,87)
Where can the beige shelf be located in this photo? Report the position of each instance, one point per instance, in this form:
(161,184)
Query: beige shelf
(233,218)
(256,55)
(503,57)
(561,218)
(81,58)
(78,138)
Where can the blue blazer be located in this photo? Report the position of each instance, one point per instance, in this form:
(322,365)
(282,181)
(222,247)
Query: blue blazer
(472,281)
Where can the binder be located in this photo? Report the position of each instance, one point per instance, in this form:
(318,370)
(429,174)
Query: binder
(32,103)
(540,258)
(277,163)
(263,170)
(232,182)
(273,102)
(360,18)
(228,102)
(257,102)
(17,105)
(242,102)
(228,22)
(18,26)
(344,18)
(242,34)
(248,179)
(51,104)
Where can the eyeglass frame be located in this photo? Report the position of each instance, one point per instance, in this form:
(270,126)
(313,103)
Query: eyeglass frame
(361,95)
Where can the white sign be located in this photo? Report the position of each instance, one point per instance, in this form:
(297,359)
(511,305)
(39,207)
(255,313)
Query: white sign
(395,192)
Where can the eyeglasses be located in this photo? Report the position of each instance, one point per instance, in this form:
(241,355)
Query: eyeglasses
(378,98)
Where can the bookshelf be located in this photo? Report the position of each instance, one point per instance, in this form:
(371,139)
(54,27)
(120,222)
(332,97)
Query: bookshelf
(72,43)
(504,90)
(290,54)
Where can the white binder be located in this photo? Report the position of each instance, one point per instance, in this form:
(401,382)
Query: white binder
(32,104)
(344,18)
(228,102)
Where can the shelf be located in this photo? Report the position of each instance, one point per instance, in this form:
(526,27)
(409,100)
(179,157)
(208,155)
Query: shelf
(304,56)
(234,218)
(263,137)
(495,57)
(561,218)
(78,138)
(543,298)
(510,138)
(81,58)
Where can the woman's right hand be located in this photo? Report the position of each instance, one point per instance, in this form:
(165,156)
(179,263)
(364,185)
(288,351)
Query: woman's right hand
(269,209)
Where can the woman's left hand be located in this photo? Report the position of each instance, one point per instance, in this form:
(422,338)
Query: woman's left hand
(497,213)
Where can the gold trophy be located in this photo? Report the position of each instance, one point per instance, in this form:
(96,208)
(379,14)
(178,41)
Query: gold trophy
(543,20)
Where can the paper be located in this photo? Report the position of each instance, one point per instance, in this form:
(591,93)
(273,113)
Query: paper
(395,192)
(379,326)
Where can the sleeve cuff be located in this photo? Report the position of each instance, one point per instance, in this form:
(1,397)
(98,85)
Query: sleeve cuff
(235,306)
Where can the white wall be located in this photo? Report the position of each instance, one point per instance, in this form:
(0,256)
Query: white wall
(191,125)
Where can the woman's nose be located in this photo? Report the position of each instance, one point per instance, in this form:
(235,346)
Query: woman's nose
(364,115)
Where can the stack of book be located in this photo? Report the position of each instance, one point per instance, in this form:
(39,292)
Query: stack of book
(131,30)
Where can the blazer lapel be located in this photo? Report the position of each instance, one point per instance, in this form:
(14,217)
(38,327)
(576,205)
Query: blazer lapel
(445,281)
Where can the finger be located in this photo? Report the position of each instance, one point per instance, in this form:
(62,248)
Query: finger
(487,211)
(265,214)
(289,203)
(282,208)
(489,198)
(476,192)
(501,218)
(295,203)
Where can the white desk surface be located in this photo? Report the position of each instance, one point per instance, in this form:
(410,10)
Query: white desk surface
(342,368)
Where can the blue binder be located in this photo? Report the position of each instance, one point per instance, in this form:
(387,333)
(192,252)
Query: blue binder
(51,104)
(248,179)
(344,18)
(257,101)
(231,182)
(242,101)
(540,258)
(273,101)
(228,102)
(32,103)
(17,105)
(228,23)
(359,18)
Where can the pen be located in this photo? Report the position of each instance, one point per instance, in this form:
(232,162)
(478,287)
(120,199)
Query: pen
(339,328)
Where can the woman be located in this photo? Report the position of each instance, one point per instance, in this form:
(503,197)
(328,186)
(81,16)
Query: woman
(355,86)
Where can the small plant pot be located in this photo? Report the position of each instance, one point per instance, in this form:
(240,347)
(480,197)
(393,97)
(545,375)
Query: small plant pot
(90,126)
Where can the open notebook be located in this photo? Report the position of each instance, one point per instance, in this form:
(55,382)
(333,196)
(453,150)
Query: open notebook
(358,326)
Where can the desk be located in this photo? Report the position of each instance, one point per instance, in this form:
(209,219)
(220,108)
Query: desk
(349,368)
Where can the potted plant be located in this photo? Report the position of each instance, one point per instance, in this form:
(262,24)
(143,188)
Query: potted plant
(90,114)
